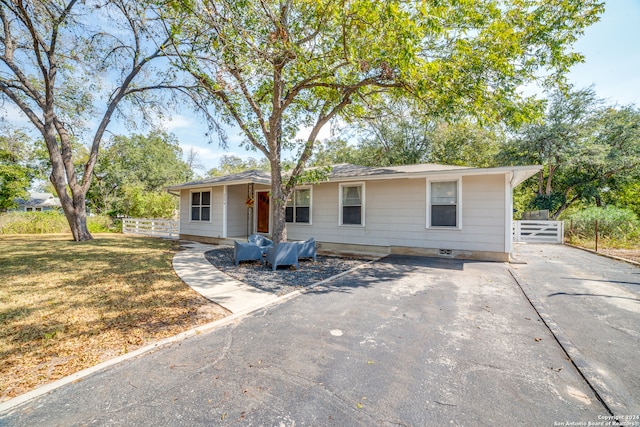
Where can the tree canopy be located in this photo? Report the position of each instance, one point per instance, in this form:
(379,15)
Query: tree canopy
(69,66)
(132,166)
(282,70)
(407,140)
(588,150)
(230,164)
(15,173)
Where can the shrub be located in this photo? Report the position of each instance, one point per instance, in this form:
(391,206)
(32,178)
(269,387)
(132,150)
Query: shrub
(617,225)
(33,223)
(50,222)
(103,224)
(140,203)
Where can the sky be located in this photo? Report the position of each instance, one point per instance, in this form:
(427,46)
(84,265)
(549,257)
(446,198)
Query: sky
(612,66)
(612,54)
(611,48)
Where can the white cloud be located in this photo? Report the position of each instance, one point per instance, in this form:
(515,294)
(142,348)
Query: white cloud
(176,121)
(209,156)
(205,154)
(14,115)
(325,133)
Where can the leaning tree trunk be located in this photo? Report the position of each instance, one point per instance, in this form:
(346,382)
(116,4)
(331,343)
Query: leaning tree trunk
(77,218)
(75,210)
(72,195)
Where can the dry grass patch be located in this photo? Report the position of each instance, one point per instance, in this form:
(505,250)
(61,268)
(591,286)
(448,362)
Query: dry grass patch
(630,254)
(627,250)
(66,306)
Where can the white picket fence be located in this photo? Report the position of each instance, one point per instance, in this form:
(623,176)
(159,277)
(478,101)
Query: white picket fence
(151,227)
(535,231)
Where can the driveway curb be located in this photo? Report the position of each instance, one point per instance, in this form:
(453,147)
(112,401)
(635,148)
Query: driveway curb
(617,258)
(601,390)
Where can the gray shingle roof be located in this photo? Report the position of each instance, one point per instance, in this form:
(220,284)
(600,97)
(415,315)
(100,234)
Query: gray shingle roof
(40,200)
(345,170)
(349,172)
(251,176)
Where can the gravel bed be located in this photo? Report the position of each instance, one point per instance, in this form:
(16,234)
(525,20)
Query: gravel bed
(285,279)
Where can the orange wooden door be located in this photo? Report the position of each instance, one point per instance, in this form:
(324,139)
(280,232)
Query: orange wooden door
(263,211)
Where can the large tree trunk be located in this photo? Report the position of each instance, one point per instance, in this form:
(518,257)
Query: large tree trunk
(279,205)
(77,217)
(72,195)
(75,210)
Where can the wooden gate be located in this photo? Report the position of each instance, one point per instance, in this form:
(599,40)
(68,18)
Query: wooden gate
(538,231)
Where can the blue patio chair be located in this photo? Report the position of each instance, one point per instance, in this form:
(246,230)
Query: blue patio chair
(261,241)
(284,253)
(246,252)
(256,239)
(307,249)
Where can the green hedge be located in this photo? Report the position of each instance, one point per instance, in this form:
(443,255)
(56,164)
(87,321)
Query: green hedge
(51,222)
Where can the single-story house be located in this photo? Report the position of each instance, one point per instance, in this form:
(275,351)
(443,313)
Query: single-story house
(38,202)
(425,209)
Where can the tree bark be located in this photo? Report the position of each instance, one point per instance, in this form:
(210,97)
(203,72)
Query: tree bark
(76,214)
(540,183)
(65,182)
(278,203)
(552,171)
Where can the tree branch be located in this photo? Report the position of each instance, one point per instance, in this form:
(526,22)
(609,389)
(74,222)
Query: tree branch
(24,107)
(311,139)
(252,103)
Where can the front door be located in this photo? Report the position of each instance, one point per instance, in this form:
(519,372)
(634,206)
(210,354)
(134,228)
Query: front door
(263,211)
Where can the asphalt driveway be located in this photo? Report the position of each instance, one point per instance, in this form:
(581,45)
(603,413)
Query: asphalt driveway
(595,302)
(405,341)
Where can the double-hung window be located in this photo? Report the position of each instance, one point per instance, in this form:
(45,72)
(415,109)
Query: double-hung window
(201,206)
(352,204)
(298,208)
(444,204)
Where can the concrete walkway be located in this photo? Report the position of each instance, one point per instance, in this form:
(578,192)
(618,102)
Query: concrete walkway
(192,267)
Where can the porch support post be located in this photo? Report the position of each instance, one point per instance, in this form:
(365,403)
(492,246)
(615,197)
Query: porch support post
(250,209)
(225,207)
(508,215)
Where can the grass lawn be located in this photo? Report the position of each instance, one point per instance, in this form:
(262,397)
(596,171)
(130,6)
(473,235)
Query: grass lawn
(66,306)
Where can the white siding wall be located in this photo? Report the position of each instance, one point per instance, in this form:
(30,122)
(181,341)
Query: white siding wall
(237,210)
(202,228)
(395,215)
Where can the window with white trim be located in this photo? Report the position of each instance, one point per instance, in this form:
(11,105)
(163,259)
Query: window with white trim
(201,206)
(352,204)
(444,204)
(298,208)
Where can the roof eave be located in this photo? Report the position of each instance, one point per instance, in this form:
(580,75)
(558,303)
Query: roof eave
(518,174)
(192,185)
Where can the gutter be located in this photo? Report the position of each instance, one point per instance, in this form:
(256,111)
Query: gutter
(529,171)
